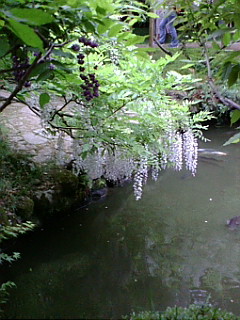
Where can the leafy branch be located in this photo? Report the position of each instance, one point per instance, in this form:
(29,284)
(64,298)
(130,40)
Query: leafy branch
(226,101)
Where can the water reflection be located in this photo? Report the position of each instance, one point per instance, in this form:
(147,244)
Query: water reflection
(170,248)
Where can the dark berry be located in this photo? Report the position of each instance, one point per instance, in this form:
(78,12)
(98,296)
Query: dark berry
(88,43)
(94,45)
(75,47)
(80,56)
(36,54)
(83,77)
(82,39)
(27,84)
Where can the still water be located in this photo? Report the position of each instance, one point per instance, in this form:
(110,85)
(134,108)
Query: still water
(119,255)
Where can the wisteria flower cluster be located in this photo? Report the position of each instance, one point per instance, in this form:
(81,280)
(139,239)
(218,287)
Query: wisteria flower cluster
(114,53)
(179,148)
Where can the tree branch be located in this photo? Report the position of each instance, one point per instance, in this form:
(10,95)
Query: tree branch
(162,48)
(228,102)
(20,84)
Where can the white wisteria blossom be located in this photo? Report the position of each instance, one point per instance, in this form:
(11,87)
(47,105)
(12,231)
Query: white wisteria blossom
(176,152)
(190,151)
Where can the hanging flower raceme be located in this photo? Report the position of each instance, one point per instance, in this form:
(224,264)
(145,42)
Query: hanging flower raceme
(190,151)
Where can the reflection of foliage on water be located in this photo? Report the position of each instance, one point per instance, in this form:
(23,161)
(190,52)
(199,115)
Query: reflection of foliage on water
(44,290)
(152,253)
(222,288)
(212,279)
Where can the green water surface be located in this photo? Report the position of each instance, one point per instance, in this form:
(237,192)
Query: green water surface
(119,255)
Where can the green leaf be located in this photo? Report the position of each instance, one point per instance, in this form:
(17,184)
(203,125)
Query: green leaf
(233,76)
(89,26)
(141,54)
(215,45)
(101,11)
(94,121)
(124,36)
(236,35)
(135,39)
(107,25)
(152,15)
(226,70)
(40,68)
(233,139)
(60,53)
(43,99)
(26,34)
(4,47)
(235,116)
(62,66)
(48,74)
(105,5)
(32,16)
(132,22)
(115,30)
(187,66)
(226,39)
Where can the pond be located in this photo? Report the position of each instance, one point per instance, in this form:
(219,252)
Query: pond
(119,255)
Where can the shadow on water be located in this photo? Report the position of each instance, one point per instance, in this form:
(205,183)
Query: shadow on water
(118,255)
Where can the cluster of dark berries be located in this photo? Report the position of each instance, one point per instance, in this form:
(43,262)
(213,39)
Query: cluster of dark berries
(81,61)
(88,42)
(20,65)
(90,86)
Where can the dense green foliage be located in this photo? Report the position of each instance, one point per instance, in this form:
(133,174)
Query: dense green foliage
(84,52)
(77,66)
(111,95)
(214,26)
(193,312)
